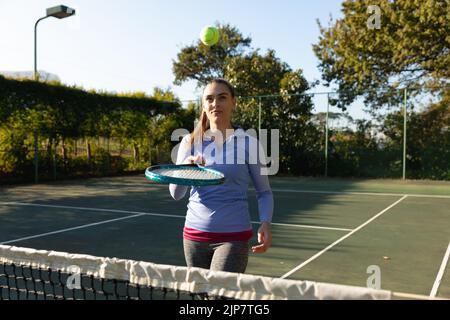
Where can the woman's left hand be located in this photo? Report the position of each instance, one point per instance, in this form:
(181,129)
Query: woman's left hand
(264,238)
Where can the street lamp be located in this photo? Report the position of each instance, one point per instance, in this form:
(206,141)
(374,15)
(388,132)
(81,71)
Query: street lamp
(59,12)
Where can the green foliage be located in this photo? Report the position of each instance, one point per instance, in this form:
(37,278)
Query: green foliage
(165,95)
(361,153)
(73,104)
(57,115)
(13,151)
(201,63)
(254,75)
(428,140)
(289,112)
(411,48)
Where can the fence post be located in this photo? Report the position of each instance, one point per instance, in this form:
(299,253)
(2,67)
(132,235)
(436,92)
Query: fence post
(404,132)
(36,158)
(259,116)
(326,135)
(149,154)
(55,150)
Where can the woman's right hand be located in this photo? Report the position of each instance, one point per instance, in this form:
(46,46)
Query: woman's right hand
(195,159)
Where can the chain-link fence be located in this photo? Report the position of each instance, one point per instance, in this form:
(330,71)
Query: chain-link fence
(42,159)
(410,140)
(318,138)
(315,139)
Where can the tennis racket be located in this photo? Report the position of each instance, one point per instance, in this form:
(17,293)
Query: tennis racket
(184,174)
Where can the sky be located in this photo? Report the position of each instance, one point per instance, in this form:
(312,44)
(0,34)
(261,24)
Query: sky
(124,46)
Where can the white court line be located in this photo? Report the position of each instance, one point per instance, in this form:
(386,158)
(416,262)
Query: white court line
(440,274)
(88,209)
(304,226)
(341,239)
(155,214)
(70,229)
(363,193)
(273,190)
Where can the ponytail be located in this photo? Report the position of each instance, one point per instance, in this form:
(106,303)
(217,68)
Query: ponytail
(200,129)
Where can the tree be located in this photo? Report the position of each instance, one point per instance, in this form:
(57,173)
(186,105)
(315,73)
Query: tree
(165,95)
(257,76)
(411,48)
(159,128)
(270,84)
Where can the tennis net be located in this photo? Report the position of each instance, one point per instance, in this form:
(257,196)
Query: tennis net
(39,274)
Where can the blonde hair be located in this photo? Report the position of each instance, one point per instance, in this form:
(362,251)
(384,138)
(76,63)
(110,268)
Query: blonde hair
(203,123)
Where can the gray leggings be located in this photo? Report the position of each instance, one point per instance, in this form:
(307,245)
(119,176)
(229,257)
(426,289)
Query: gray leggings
(222,256)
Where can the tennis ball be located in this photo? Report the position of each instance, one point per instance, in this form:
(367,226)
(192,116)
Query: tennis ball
(209,35)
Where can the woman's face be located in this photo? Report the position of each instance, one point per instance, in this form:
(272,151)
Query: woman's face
(218,103)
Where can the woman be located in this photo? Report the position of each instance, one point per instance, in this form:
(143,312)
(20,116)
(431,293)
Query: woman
(218,229)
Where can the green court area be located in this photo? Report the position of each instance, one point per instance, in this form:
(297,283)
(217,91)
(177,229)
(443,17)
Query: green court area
(325,230)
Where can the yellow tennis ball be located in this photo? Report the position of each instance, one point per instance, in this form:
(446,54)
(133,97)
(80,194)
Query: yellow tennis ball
(209,35)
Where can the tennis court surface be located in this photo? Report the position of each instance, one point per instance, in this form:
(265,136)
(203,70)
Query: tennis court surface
(384,234)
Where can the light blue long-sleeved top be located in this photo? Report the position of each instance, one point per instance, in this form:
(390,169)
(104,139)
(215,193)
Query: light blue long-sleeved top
(224,208)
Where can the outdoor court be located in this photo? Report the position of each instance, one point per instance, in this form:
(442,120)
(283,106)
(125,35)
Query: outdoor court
(326,230)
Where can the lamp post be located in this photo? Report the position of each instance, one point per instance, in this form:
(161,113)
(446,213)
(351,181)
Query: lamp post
(59,12)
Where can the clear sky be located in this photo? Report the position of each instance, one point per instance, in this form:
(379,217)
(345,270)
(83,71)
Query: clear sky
(124,46)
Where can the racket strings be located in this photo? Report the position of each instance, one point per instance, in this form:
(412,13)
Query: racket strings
(196,174)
